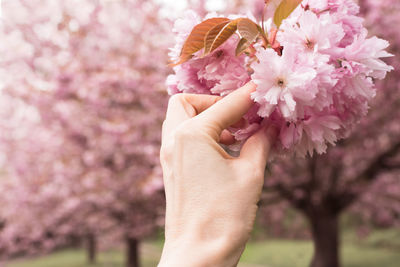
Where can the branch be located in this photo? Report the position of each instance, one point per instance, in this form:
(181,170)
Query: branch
(378,165)
(300,204)
(270,201)
(335,176)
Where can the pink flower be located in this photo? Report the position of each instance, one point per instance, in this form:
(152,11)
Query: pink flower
(219,73)
(344,6)
(225,68)
(311,33)
(315,91)
(311,134)
(318,131)
(368,53)
(182,29)
(282,84)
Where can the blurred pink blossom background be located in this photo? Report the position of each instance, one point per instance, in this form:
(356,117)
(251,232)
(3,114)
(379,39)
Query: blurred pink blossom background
(83,93)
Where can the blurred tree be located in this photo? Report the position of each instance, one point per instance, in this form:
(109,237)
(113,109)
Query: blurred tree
(361,174)
(84,159)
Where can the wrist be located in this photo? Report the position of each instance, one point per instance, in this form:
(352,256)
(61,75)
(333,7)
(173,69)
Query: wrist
(194,252)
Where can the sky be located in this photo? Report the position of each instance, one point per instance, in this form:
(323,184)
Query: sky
(180,5)
(177,6)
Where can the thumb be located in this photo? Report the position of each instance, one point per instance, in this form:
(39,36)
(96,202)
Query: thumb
(257,148)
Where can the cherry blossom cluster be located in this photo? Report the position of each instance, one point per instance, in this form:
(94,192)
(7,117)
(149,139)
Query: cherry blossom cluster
(315,77)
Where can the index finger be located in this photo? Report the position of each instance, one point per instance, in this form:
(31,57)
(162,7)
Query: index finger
(228,110)
(183,107)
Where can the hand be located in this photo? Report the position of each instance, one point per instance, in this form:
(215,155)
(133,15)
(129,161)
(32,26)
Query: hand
(211,196)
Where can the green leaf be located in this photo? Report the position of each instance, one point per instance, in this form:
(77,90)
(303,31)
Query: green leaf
(285,8)
(195,41)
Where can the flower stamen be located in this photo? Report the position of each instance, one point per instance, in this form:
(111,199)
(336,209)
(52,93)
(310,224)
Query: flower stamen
(281,82)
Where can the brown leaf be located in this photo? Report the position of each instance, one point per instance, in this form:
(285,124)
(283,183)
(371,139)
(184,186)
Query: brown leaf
(285,8)
(242,46)
(224,34)
(211,35)
(248,30)
(195,41)
(182,59)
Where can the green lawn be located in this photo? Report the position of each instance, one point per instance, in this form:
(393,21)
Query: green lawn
(377,251)
(280,253)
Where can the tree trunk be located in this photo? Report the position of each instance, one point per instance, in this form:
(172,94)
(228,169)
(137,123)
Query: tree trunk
(91,248)
(132,252)
(325,231)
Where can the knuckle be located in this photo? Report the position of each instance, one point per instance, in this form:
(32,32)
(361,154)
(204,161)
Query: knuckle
(165,153)
(184,131)
(174,99)
(177,99)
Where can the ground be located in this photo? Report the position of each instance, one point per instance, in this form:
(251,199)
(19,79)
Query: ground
(380,250)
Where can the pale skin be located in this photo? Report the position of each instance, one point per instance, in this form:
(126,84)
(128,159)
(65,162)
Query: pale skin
(211,196)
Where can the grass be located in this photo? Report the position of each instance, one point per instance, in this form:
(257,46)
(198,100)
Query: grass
(381,249)
(281,253)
